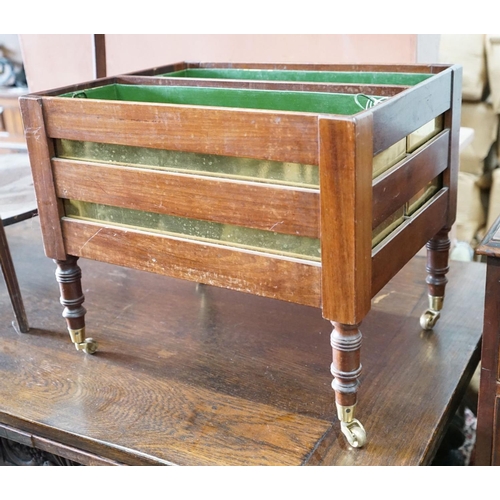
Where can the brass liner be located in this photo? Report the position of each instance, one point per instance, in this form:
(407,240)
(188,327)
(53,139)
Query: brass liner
(300,247)
(387,227)
(422,196)
(424,133)
(273,172)
(293,174)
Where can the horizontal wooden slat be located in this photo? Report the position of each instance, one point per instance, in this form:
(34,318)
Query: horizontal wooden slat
(341,88)
(246,271)
(395,187)
(409,110)
(261,206)
(392,254)
(263,134)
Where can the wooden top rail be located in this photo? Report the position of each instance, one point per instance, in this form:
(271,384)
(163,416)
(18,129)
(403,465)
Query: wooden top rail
(427,100)
(269,135)
(407,68)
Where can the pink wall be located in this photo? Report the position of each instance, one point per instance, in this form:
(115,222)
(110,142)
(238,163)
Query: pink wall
(56,60)
(134,52)
(52,61)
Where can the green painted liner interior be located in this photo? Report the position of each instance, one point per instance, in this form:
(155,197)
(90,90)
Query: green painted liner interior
(311,102)
(374,78)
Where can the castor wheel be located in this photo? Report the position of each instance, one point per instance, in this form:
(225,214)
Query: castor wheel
(429,319)
(354,432)
(88,346)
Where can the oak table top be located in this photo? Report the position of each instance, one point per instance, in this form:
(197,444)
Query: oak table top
(196,375)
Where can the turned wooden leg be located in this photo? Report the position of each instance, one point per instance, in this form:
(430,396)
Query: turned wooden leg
(12,284)
(438,250)
(68,275)
(346,368)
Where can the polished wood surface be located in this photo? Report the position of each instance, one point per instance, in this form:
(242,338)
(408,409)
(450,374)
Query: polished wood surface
(196,375)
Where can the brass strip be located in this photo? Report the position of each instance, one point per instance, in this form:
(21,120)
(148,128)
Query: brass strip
(236,236)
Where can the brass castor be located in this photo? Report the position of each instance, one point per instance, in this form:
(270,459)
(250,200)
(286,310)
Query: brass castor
(354,432)
(88,346)
(429,319)
(351,427)
(430,316)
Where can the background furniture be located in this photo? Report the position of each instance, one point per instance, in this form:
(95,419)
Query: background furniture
(11,124)
(479,175)
(17,198)
(488,418)
(17,203)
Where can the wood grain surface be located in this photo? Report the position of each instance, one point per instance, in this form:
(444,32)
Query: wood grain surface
(195,375)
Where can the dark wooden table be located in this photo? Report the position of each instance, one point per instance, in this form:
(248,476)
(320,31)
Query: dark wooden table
(204,376)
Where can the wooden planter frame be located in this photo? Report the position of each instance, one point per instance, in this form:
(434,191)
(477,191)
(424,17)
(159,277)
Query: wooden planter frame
(341,213)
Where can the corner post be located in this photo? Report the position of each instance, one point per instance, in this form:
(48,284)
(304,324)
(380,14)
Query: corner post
(346,166)
(438,248)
